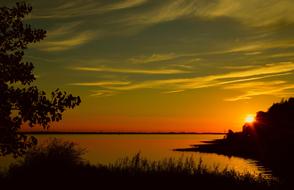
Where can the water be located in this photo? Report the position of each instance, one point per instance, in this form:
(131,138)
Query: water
(105,148)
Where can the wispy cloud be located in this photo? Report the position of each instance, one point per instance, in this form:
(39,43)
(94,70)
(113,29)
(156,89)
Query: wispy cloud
(224,29)
(255,84)
(124,4)
(101,83)
(181,84)
(163,12)
(262,13)
(80,8)
(166,84)
(273,68)
(247,81)
(239,67)
(64,29)
(278,55)
(131,71)
(103,93)
(251,89)
(153,58)
(51,45)
(255,47)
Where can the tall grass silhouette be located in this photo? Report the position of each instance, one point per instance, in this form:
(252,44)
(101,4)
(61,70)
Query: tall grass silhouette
(62,163)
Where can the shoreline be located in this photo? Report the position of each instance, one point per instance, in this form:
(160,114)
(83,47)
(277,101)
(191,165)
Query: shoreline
(219,147)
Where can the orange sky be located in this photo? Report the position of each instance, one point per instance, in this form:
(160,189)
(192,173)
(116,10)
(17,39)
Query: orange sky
(197,66)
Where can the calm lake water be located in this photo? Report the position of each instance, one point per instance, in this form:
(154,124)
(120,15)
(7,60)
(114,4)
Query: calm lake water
(109,148)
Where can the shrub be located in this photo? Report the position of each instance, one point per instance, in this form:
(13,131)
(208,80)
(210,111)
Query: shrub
(54,159)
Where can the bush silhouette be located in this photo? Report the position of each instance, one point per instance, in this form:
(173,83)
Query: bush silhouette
(55,153)
(20,101)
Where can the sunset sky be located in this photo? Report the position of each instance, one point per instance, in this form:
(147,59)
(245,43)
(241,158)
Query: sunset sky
(178,65)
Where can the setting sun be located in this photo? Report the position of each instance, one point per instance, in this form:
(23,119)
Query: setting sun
(249,118)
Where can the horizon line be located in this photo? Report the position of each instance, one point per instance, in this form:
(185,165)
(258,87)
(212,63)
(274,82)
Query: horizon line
(114,132)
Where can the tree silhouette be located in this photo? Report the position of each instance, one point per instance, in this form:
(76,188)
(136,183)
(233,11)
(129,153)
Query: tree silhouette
(20,101)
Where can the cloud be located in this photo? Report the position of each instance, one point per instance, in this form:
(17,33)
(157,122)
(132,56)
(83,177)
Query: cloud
(269,70)
(273,68)
(173,91)
(166,83)
(238,67)
(153,58)
(240,81)
(124,4)
(164,12)
(65,36)
(262,12)
(256,13)
(286,54)
(249,90)
(253,13)
(181,84)
(101,83)
(131,71)
(256,47)
(217,31)
(105,16)
(246,80)
(79,8)
(64,29)
(255,85)
(103,93)
(52,45)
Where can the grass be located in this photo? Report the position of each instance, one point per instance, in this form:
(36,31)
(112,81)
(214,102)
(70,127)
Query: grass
(186,172)
(60,164)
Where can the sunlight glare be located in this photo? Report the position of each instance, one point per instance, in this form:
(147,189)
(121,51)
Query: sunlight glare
(249,118)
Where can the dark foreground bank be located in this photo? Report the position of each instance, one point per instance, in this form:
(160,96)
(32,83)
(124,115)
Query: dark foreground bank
(269,140)
(60,165)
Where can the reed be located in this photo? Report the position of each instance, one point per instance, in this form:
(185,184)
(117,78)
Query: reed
(63,164)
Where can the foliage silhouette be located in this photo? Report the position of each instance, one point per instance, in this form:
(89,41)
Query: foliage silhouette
(269,139)
(55,153)
(20,101)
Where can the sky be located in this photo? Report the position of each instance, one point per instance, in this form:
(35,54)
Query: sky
(170,65)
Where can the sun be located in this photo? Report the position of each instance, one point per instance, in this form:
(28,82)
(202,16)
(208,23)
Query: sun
(249,118)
